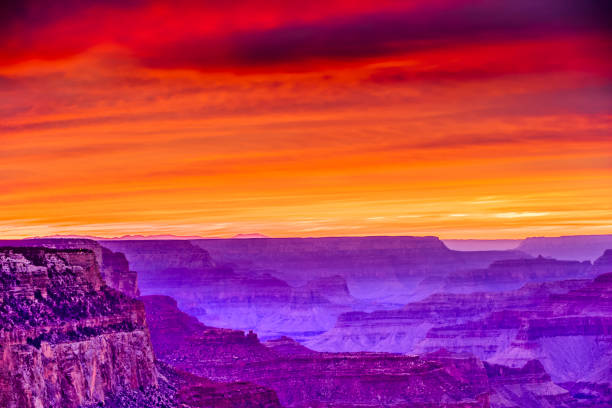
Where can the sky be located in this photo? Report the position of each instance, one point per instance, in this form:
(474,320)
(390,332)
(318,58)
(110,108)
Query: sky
(461,119)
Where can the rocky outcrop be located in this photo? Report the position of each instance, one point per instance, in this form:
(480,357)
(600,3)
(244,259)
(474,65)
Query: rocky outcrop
(526,387)
(565,325)
(227,395)
(182,341)
(113,266)
(66,338)
(221,297)
(148,257)
(603,264)
(117,274)
(187,390)
(303,377)
(571,334)
(573,247)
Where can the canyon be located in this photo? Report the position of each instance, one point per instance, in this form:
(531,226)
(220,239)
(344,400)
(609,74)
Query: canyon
(327,322)
(284,286)
(303,377)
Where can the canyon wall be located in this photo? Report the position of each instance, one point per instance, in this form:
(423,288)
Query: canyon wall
(510,274)
(66,338)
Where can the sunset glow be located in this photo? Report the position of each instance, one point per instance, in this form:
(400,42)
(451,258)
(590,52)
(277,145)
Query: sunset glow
(481,119)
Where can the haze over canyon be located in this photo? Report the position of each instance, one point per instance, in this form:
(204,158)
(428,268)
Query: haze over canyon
(328,322)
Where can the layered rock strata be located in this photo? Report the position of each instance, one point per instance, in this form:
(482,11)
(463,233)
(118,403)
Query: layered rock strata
(66,338)
(402,329)
(372,266)
(293,287)
(114,268)
(302,377)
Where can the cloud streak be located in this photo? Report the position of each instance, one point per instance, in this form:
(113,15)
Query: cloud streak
(379,117)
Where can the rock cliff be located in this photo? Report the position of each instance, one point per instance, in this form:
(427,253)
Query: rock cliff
(154,256)
(113,266)
(69,340)
(66,338)
(525,387)
(603,264)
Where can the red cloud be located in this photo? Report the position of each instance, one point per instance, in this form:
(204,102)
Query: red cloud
(246,35)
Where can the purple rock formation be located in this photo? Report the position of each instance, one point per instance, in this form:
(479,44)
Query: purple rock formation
(66,338)
(575,247)
(527,386)
(513,273)
(114,267)
(303,377)
(402,329)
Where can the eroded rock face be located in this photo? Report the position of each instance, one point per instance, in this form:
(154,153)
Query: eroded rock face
(159,255)
(209,394)
(569,333)
(66,338)
(180,389)
(403,329)
(603,264)
(113,266)
(525,387)
(566,326)
(117,274)
(303,377)
(221,297)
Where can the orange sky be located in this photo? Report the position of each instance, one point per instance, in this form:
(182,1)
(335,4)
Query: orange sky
(148,117)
